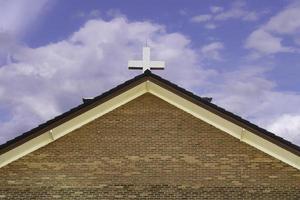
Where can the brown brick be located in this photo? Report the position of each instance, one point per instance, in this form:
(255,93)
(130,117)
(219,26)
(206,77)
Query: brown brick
(148,149)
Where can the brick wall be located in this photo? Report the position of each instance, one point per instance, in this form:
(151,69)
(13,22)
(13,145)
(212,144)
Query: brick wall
(148,149)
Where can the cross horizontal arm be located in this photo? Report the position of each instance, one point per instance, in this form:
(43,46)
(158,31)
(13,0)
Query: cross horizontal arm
(135,64)
(157,64)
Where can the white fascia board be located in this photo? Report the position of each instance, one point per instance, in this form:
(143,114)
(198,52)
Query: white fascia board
(25,149)
(226,126)
(181,103)
(72,124)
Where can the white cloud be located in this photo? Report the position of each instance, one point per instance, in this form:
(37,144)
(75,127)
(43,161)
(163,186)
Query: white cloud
(286,21)
(52,78)
(249,94)
(12,14)
(288,125)
(237,11)
(183,12)
(216,9)
(265,43)
(210,26)
(237,14)
(114,13)
(269,37)
(7,45)
(15,20)
(212,50)
(42,82)
(201,18)
(91,14)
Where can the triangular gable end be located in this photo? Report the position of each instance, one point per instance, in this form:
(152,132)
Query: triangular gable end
(150,83)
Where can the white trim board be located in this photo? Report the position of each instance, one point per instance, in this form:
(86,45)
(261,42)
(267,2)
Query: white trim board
(170,97)
(71,125)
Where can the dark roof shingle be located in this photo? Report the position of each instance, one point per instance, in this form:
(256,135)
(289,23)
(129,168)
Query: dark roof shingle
(147,75)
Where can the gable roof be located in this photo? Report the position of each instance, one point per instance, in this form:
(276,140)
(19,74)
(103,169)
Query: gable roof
(147,76)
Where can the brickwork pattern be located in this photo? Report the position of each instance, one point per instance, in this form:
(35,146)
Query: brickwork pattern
(148,149)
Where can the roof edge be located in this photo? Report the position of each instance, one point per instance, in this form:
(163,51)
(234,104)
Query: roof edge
(148,75)
(73,112)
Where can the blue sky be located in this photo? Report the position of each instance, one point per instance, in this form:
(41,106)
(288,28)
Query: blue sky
(244,54)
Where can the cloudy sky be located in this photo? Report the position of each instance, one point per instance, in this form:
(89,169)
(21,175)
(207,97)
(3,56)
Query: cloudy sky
(246,55)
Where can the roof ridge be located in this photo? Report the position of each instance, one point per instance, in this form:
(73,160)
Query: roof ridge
(127,84)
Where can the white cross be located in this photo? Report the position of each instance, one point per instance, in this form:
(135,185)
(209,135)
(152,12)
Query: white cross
(146,63)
